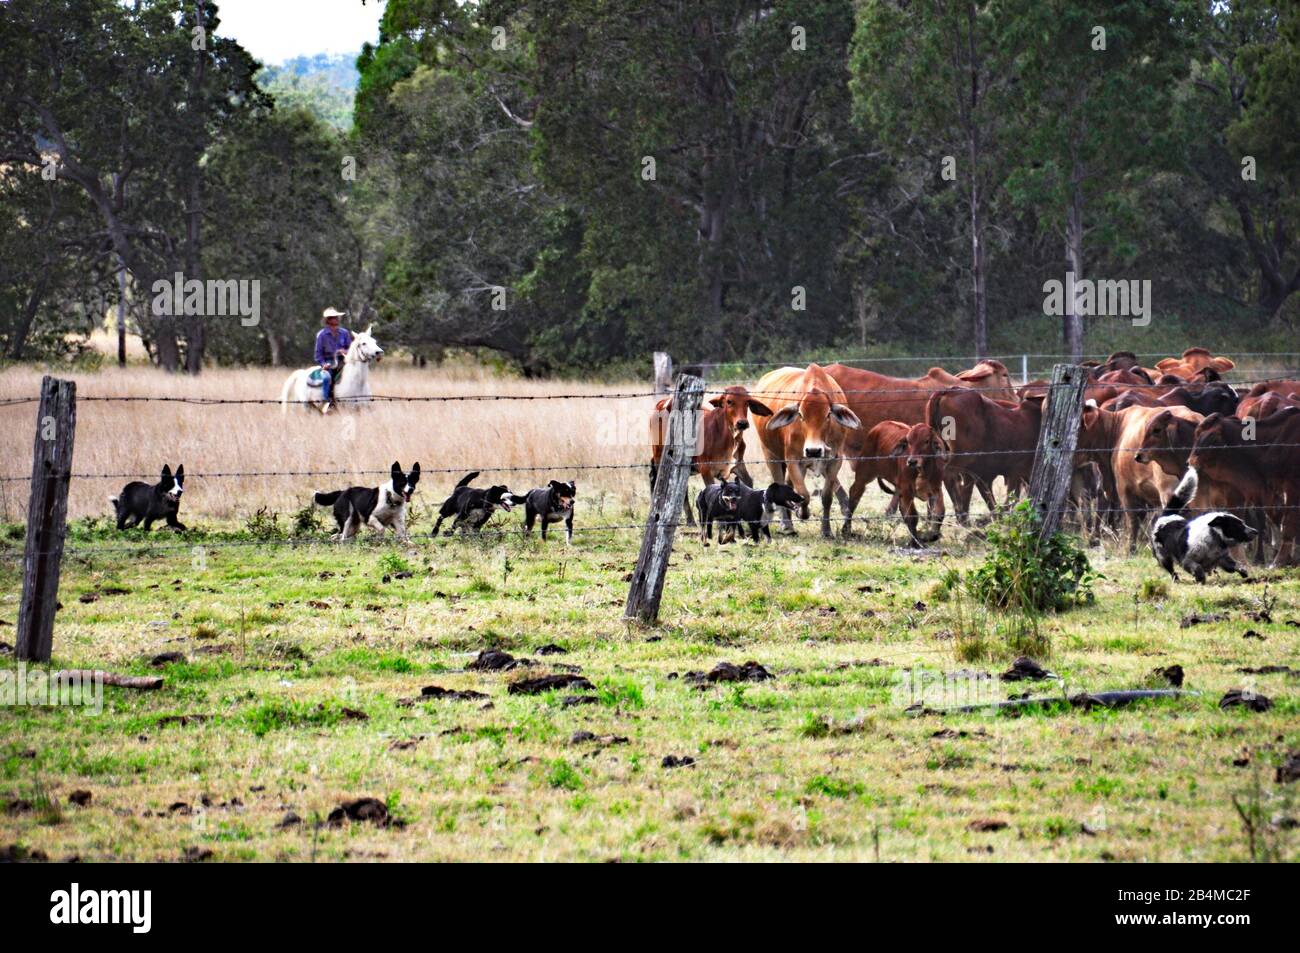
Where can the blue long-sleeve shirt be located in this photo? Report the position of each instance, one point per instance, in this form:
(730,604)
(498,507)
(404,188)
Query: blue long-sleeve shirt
(329,342)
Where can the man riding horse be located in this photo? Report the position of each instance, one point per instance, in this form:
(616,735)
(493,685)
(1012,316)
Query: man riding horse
(332,342)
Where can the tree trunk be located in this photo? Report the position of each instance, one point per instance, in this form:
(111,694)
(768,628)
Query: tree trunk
(980,302)
(195,325)
(19,341)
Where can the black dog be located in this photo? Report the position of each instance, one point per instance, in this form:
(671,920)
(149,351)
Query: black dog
(1201,545)
(473,506)
(553,503)
(141,502)
(734,503)
(379,507)
(718,503)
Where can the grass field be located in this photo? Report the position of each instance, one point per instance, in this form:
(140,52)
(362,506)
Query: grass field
(297,659)
(300,660)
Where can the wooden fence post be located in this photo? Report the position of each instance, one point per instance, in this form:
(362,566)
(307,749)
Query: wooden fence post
(47,514)
(1054,459)
(663,373)
(666,502)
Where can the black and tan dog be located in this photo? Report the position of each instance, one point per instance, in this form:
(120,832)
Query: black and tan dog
(473,506)
(141,503)
(730,504)
(552,503)
(379,507)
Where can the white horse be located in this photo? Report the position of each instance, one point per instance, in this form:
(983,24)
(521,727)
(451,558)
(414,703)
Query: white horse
(352,386)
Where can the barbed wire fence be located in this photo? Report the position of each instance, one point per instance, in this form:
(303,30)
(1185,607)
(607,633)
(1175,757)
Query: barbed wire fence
(662,515)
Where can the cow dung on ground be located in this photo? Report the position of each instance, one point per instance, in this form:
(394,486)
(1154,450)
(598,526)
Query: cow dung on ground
(1248,699)
(751,671)
(546,683)
(362,809)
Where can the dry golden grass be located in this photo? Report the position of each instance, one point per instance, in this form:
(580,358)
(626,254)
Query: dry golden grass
(138,438)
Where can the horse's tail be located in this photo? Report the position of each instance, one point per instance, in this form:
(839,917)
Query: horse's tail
(284,393)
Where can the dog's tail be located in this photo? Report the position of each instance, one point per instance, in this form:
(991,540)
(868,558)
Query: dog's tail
(117,503)
(1183,493)
(467,479)
(327,499)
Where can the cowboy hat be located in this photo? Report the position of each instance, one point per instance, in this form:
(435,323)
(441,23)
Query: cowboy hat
(333,313)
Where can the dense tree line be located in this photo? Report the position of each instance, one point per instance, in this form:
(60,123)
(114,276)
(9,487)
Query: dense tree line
(574,185)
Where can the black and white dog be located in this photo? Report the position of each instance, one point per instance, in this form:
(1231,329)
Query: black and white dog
(1199,545)
(379,507)
(139,502)
(731,504)
(553,503)
(473,506)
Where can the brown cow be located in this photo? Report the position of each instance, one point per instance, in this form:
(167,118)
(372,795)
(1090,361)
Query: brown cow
(1212,398)
(1194,360)
(989,439)
(1138,487)
(1264,405)
(719,445)
(1110,385)
(1167,442)
(1267,466)
(1281,388)
(877,397)
(807,430)
(913,457)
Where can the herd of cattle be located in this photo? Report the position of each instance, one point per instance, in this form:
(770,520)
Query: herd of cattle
(917,437)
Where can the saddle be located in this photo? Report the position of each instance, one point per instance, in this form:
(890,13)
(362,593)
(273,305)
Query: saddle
(316,379)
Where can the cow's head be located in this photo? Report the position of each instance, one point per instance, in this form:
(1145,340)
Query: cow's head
(923,452)
(992,379)
(1160,434)
(1214,398)
(821,418)
(736,405)
(1214,434)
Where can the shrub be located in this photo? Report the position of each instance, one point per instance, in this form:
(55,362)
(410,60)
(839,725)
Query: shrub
(1023,572)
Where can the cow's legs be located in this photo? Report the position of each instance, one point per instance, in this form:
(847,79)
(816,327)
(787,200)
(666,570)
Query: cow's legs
(1135,513)
(849,502)
(959,491)
(829,485)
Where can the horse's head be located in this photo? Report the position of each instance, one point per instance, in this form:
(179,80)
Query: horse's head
(364,347)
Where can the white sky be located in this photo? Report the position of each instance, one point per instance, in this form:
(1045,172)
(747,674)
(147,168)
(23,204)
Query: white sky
(277,30)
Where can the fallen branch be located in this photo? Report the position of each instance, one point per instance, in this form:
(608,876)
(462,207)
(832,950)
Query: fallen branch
(84,675)
(1115,699)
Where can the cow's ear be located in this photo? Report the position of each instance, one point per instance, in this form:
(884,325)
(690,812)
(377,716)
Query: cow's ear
(900,448)
(1223,364)
(717,401)
(760,408)
(1167,363)
(845,417)
(783,417)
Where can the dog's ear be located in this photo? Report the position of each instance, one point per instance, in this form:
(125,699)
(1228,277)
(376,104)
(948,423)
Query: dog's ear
(180,472)
(166,471)
(415,473)
(396,470)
